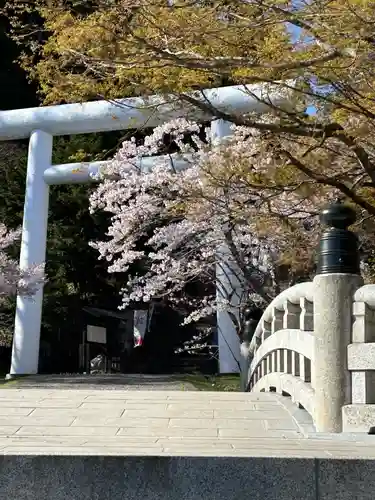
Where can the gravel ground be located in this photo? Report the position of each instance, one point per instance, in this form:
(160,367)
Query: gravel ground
(104,382)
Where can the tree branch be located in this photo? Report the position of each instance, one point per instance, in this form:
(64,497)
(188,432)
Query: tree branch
(329,181)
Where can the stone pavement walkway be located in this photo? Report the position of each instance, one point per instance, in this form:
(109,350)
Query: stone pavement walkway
(188,423)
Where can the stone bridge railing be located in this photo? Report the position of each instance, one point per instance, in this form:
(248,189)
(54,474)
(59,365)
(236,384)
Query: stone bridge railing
(316,341)
(360,414)
(282,347)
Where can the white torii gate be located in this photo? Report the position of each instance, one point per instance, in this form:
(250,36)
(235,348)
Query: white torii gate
(41,124)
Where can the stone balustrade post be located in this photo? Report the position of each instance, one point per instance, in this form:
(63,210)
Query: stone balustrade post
(338,276)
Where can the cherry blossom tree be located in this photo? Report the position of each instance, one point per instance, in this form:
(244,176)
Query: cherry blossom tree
(231,221)
(13,279)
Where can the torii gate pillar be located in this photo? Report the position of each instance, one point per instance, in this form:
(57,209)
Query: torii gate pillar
(25,350)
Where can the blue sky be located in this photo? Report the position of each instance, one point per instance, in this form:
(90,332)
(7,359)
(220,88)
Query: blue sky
(295,34)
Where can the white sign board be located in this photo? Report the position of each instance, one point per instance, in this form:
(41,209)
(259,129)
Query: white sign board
(96,334)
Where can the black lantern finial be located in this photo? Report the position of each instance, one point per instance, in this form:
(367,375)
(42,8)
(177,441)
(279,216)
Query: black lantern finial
(338,247)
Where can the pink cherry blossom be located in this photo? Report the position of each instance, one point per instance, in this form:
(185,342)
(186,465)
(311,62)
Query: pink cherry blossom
(14,280)
(220,222)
